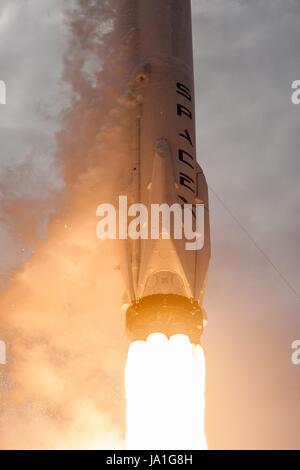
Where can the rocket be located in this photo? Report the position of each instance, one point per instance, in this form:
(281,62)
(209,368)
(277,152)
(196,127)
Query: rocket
(164,281)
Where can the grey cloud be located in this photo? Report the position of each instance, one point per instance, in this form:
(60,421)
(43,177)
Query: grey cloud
(246,57)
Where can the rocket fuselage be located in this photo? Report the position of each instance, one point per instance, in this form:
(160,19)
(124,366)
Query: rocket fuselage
(164,166)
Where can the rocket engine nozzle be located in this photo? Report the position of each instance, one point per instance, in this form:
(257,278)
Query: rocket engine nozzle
(167,314)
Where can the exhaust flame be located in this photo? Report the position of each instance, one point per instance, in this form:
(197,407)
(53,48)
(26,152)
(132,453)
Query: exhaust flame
(165,382)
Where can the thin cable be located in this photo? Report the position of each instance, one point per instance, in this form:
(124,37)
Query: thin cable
(257,246)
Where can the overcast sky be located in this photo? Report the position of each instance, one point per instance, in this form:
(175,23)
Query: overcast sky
(246,58)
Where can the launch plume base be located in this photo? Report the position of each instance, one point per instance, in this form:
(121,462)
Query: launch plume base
(168,314)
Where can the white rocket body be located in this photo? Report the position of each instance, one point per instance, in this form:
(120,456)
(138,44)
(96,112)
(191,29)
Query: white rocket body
(164,164)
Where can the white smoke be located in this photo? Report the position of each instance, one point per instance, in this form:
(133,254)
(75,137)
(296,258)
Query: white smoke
(63,387)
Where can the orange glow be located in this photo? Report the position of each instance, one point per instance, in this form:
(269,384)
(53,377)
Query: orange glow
(165,381)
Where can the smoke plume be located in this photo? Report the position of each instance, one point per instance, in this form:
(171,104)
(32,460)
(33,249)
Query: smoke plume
(60,314)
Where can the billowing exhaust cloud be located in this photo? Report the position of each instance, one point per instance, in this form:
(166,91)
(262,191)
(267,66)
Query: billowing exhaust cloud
(60,313)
